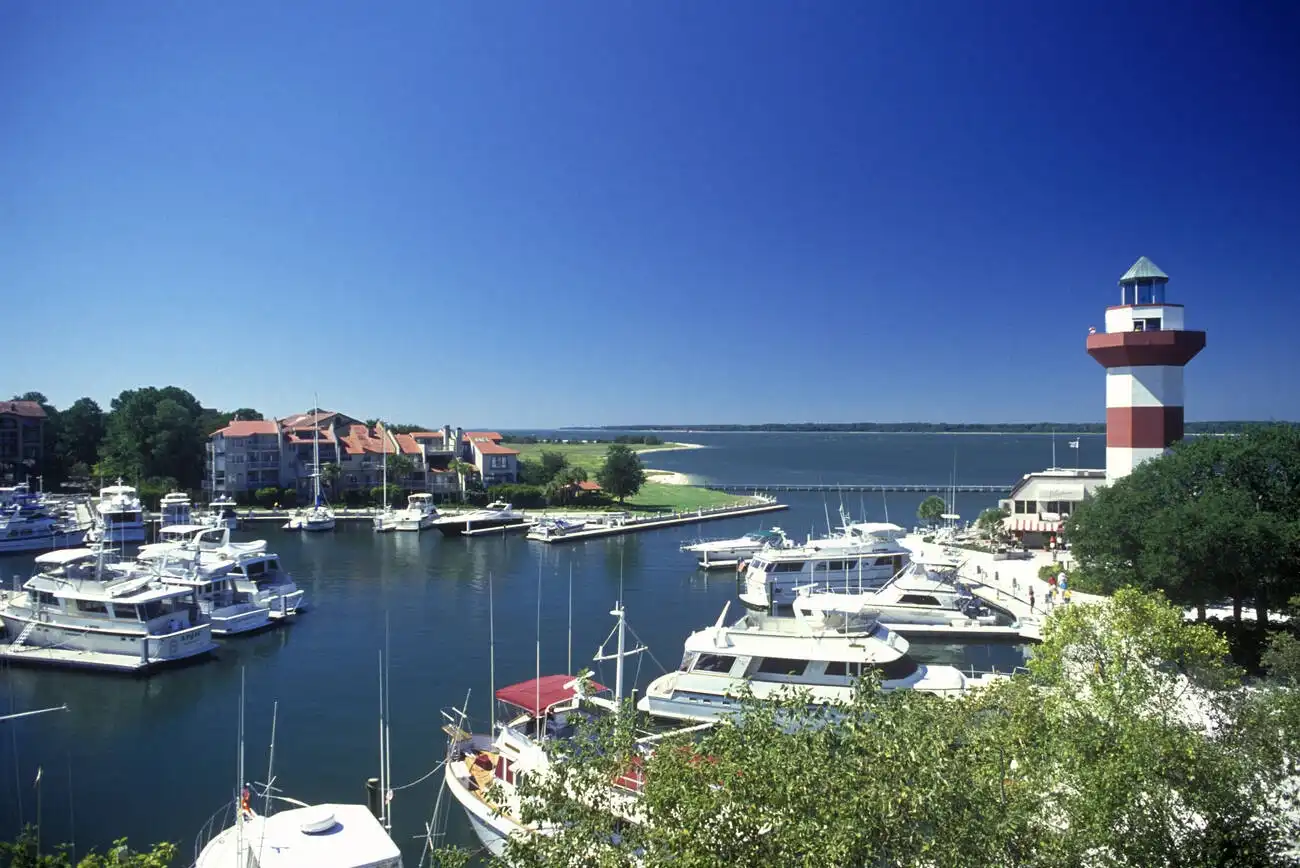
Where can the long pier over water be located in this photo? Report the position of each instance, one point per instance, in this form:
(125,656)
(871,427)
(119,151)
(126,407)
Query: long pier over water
(830,489)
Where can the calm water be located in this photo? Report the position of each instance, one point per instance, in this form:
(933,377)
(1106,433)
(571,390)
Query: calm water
(153,758)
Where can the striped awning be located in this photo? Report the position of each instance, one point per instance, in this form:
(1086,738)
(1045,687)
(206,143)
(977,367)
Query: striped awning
(1034,525)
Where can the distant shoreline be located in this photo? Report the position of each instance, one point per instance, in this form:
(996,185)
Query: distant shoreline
(1073,429)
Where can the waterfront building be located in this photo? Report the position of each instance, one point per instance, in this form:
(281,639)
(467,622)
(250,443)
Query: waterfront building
(496,463)
(244,456)
(1143,349)
(1041,502)
(22,425)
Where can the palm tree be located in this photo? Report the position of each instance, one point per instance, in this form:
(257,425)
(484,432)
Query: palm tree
(462,470)
(330,474)
(400,468)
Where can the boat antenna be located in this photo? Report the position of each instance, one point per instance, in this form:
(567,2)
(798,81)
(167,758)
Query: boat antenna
(388,728)
(827,507)
(270,763)
(537,657)
(239,762)
(492,661)
(885,499)
(383,782)
(72,814)
(569,665)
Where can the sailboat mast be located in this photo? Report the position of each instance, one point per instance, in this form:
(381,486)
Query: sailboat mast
(618,666)
(315,454)
(383,444)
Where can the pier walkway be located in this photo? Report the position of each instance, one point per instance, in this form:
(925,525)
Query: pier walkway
(1004,583)
(831,489)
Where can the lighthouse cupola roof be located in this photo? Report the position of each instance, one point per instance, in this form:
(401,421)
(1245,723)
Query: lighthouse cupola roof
(1144,283)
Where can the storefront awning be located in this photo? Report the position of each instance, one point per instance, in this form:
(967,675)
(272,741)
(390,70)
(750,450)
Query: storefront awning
(1034,525)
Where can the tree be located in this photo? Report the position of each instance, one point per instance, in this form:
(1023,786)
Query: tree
(560,488)
(246,414)
(81,431)
(154,432)
(1091,759)
(24,853)
(990,521)
(622,474)
(931,509)
(1216,518)
(331,475)
(400,468)
(463,472)
(552,464)
(267,497)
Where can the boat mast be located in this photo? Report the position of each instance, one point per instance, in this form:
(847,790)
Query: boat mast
(492,661)
(315,455)
(383,444)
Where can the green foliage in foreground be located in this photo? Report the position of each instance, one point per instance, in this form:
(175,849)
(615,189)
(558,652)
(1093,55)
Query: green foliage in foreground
(23,853)
(931,509)
(1129,743)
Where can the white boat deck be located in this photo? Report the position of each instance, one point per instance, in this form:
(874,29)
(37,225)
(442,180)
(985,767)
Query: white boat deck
(71,658)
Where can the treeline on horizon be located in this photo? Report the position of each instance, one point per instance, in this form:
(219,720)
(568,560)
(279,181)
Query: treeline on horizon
(1227,427)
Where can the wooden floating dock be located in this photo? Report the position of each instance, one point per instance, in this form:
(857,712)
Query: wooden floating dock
(499,530)
(875,487)
(73,659)
(640,524)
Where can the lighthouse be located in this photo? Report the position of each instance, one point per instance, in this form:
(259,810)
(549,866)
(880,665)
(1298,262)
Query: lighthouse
(1143,350)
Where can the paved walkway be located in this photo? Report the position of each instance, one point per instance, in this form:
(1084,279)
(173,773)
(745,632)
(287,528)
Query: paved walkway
(1003,583)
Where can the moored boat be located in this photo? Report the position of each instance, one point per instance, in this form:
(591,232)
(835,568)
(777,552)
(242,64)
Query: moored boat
(119,516)
(495,514)
(420,513)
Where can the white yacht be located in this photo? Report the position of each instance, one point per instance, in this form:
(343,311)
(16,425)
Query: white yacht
(228,610)
(915,596)
(222,512)
(119,517)
(175,508)
(255,571)
(774,657)
(549,529)
(420,513)
(74,612)
(866,555)
(496,514)
(729,552)
(319,836)
(24,532)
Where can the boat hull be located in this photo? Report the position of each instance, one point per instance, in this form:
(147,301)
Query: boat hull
(44,542)
(458,528)
(102,649)
(415,525)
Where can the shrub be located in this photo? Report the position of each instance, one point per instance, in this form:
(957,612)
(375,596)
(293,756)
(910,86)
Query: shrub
(268,496)
(520,496)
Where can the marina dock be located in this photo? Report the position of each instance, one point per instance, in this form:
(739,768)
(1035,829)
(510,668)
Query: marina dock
(678,518)
(751,487)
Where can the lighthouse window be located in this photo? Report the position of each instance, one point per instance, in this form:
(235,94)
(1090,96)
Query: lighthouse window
(1153,324)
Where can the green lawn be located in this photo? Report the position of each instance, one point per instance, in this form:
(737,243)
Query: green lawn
(589,456)
(658,497)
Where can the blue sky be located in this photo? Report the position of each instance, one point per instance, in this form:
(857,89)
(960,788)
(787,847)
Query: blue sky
(534,214)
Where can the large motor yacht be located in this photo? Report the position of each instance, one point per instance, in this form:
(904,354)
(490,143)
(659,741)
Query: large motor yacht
(254,571)
(74,612)
(865,555)
(420,513)
(175,508)
(228,610)
(495,514)
(774,657)
(119,517)
(728,552)
(916,595)
(222,512)
(21,531)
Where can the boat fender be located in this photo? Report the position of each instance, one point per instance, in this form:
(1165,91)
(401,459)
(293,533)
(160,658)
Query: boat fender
(173,646)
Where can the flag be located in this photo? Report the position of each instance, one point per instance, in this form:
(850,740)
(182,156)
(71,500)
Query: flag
(1092,330)
(1074,444)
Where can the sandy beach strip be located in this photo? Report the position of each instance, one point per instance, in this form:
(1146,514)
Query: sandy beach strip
(676,447)
(667,477)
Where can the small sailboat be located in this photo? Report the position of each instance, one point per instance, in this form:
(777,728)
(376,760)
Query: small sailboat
(318,516)
(386,519)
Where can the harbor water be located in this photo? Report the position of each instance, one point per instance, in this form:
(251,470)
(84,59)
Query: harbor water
(152,758)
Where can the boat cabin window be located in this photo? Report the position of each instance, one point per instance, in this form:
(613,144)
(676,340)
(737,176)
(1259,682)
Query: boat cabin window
(713,663)
(788,567)
(917,600)
(782,666)
(889,562)
(45,598)
(759,564)
(159,608)
(124,613)
(837,667)
(92,607)
(255,568)
(903,667)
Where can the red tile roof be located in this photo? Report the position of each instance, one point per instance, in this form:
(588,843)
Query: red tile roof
(240,428)
(360,440)
(30,409)
(426,435)
(487,447)
(588,486)
(408,445)
(303,435)
(483,435)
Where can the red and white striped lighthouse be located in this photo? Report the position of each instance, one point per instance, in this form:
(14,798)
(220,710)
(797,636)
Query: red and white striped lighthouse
(1143,350)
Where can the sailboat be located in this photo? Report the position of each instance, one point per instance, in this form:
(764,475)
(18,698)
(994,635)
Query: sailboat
(386,520)
(318,516)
